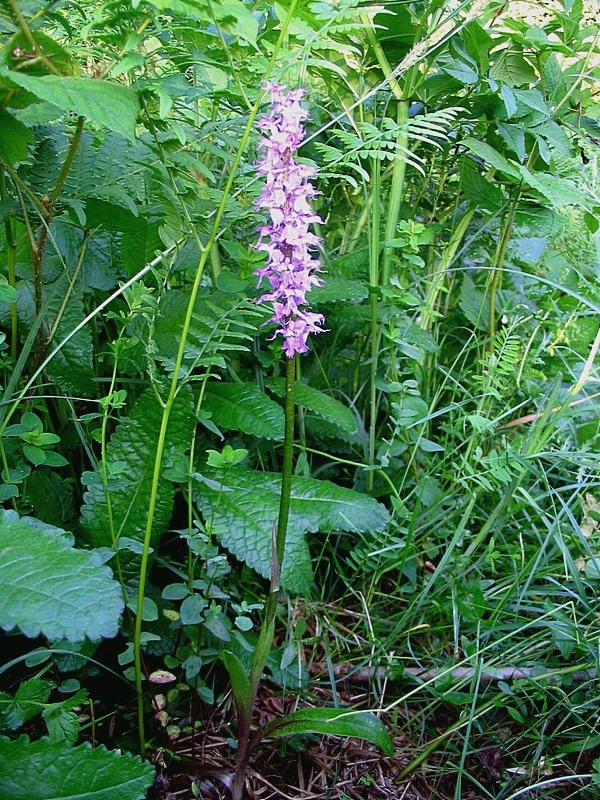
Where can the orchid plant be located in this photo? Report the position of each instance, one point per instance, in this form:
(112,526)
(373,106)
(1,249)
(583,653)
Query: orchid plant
(291,270)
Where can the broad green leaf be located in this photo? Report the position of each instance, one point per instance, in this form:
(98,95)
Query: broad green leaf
(130,460)
(14,138)
(478,190)
(220,323)
(113,106)
(510,67)
(558,191)
(51,588)
(491,157)
(62,724)
(46,770)
(233,15)
(336,722)
(322,404)
(26,703)
(243,407)
(338,290)
(246,507)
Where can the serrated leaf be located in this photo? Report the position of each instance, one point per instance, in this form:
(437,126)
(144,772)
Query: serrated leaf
(26,703)
(50,587)
(244,515)
(337,290)
(134,444)
(113,106)
(46,770)
(510,67)
(62,724)
(322,404)
(558,191)
(243,407)
(336,722)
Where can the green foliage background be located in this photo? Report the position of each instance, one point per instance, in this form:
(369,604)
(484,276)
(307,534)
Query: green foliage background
(445,505)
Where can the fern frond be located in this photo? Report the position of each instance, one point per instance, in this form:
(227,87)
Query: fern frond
(220,324)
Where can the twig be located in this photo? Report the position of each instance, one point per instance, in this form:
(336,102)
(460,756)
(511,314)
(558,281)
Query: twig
(346,672)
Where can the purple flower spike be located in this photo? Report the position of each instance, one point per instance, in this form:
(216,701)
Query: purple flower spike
(291,267)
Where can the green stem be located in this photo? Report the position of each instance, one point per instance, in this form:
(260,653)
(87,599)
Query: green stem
(109,509)
(265,637)
(168,405)
(396,191)
(27,33)
(11,263)
(495,281)
(68,162)
(374,293)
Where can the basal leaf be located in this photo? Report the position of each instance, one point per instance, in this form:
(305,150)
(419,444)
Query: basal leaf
(322,404)
(246,506)
(49,587)
(130,461)
(243,407)
(336,722)
(240,682)
(46,770)
(113,106)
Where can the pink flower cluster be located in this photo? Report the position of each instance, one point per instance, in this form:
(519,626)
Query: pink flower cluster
(291,268)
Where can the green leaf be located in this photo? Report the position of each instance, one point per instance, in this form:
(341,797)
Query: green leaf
(558,191)
(474,303)
(46,770)
(62,724)
(51,588)
(322,404)
(129,460)
(339,290)
(491,157)
(26,704)
(14,138)
(8,294)
(511,68)
(246,506)
(243,407)
(336,722)
(113,106)
(240,682)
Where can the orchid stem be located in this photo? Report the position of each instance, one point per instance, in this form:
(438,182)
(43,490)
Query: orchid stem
(265,637)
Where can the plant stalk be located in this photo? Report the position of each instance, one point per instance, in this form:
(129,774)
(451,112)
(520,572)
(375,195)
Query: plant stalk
(265,637)
(11,264)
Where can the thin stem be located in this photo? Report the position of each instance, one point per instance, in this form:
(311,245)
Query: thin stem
(396,191)
(265,637)
(373,288)
(11,264)
(28,34)
(168,406)
(68,162)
